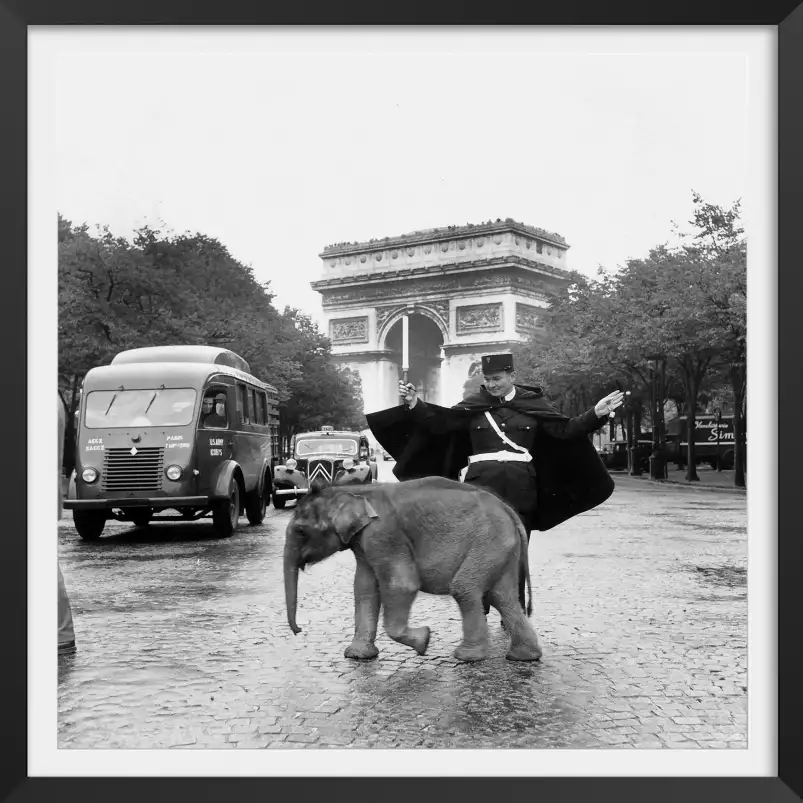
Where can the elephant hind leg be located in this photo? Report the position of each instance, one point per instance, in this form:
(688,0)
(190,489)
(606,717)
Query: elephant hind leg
(471,601)
(396,603)
(524,644)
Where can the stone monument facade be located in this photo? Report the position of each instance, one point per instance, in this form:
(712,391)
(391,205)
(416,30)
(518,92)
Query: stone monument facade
(469,290)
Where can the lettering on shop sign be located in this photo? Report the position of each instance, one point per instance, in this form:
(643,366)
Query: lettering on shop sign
(216,452)
(725,433)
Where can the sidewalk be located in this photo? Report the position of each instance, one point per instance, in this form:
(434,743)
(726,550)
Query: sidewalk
(710,480)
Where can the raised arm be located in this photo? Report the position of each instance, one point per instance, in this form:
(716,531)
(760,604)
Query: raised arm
(586,423)
(423,415)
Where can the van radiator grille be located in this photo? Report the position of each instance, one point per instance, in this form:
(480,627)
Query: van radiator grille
(123,471)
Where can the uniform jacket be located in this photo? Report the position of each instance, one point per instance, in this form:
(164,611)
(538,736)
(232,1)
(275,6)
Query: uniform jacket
(430,440)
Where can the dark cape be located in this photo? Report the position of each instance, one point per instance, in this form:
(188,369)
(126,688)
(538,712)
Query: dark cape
(570,476)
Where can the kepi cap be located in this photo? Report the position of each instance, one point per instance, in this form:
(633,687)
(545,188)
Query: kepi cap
(491,363)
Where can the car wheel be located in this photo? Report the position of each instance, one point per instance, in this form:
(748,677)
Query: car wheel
(256,504)
(226,512)
(279,502)
(89,523)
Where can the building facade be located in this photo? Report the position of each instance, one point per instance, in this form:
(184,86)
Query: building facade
(469,290)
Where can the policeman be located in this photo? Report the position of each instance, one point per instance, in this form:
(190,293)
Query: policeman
(215,418)
(504,424)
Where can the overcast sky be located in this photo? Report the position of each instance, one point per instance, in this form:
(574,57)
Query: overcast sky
(281,143)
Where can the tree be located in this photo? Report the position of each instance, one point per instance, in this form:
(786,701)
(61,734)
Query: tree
(157,290)
(721,247)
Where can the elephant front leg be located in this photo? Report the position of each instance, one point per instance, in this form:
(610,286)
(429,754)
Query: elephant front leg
(397,603)
(366,613)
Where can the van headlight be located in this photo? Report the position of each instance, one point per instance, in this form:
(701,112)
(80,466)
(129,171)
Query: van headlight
(348,464)
(89,474)
(290,464)
(173,473)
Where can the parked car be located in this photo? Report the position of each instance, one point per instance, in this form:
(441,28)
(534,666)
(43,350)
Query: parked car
(614,455)
(324,457)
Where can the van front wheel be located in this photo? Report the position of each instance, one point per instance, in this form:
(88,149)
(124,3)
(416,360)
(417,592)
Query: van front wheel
(89,523)
(226,512)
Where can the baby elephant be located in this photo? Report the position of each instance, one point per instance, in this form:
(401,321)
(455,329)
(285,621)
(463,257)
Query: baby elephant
(433,535)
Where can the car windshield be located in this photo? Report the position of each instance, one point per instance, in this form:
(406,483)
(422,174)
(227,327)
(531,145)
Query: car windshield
(325,446)
(157,407)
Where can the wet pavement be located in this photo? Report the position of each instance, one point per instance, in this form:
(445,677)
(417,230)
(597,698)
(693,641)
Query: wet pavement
(640,606)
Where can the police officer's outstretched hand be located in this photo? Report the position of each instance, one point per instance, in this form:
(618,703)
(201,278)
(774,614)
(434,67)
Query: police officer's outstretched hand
(607,405)
(408,392)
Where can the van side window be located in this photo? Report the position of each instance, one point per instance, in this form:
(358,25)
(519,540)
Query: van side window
(262,408)
(242,404)
(213,409)
(252,408)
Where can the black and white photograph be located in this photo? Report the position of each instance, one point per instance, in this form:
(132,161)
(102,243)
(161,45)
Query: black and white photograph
(403,400)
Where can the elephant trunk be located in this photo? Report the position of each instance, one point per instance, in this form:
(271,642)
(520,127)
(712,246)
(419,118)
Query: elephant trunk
(291,561)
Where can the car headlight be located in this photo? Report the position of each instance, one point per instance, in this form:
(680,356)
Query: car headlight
(291,464)
(348,464)
(173,473)
(89,474)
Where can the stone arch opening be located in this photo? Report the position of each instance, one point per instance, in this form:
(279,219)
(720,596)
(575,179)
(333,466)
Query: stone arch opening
(426,343)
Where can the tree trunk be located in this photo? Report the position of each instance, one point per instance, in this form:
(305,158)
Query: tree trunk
(637,416)
(694,368)
(738,382)
(629,441)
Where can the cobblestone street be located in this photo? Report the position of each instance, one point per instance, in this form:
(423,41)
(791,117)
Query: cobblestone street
(640,605)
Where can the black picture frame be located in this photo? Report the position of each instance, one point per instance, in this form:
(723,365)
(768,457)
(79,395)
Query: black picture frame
(15,16)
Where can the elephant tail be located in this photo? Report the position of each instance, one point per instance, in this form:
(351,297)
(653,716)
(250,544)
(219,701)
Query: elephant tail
(524,559)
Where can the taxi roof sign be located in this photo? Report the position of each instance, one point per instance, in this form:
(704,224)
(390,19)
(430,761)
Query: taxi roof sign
(327,429)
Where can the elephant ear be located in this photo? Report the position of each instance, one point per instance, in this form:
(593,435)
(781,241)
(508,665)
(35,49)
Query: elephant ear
(351,516)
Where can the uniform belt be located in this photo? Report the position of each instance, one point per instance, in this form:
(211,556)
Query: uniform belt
(504,456)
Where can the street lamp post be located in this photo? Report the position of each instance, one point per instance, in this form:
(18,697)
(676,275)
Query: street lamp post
(657,461)
(632,441)
(719,430)
(661,419)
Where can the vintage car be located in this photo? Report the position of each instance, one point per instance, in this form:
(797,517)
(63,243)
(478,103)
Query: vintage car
(614,454)
(326,457)
(185,428)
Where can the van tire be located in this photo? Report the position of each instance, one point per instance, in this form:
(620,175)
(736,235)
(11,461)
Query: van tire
(279,502)
(89,523)
(141,518)
(226,512)
(256,504)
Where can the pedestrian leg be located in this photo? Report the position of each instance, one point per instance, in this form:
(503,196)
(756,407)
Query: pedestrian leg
(66,634)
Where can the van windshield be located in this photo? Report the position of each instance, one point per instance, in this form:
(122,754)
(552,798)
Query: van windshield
(325,446)
(159,407)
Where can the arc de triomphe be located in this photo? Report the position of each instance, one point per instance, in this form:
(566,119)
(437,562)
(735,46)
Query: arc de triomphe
(469,290)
